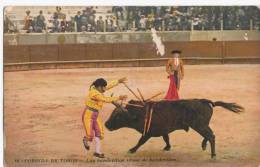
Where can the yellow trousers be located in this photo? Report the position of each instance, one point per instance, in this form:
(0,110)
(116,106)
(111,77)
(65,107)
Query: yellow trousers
(92,124)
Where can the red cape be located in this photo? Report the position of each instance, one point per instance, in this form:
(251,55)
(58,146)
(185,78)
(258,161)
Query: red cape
(172,93)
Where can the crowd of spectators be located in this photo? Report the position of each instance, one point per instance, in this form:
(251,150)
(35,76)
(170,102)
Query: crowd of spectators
(134,18)
(198,18)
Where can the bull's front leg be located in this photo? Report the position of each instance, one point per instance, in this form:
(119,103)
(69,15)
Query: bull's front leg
(141,141)
(166,140)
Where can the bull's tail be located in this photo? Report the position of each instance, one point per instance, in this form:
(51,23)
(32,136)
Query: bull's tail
(229,106)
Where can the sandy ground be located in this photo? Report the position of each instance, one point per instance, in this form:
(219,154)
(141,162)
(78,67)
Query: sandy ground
(42,118)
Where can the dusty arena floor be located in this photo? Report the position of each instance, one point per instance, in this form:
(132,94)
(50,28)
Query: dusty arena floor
(42,118)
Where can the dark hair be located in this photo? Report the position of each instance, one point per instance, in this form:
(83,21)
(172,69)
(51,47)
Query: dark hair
(176,51)
(99,82)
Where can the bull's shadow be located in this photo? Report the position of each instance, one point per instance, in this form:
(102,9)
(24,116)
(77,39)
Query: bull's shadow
(168,116)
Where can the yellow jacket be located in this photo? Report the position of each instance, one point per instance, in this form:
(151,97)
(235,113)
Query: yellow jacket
(95,99)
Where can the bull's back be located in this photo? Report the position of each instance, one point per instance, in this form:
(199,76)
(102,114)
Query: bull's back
(172,115)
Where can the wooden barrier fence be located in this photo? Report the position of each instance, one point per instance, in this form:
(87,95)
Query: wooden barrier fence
(127,54)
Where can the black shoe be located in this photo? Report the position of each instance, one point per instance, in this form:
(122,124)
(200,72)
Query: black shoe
(85,143)
(99,155)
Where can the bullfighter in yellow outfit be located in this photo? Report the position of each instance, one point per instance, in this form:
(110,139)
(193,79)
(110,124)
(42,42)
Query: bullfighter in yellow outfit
(91,117)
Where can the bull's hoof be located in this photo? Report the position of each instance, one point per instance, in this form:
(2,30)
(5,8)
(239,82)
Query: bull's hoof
(213,157)
(131,151)
(204,146)
(167,148)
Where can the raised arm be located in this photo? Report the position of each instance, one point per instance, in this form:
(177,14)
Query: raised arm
(94,95)
(115,83)
(112,84)
(106,99)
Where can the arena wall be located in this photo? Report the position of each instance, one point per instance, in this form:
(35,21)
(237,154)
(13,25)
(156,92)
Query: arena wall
(127,37)
(26,57)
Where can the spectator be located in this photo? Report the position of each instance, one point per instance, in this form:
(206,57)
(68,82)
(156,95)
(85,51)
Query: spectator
(118,10)
(9,26)
(196,24)
(64,24)
(169,23)
(84,19)
(92,21)
(56,24)
(77,20)
(143,18)
(130,19)
(121,25)
(40,22)
(114,23)
(158,23)
(33,25)
(100,24)
(109,24)
(150,21)
(142,23)
(59,13)
(27,21)
(137,18)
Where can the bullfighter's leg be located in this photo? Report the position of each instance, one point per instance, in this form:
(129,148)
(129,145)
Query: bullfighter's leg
(166,139)
(88,126)
(141,141)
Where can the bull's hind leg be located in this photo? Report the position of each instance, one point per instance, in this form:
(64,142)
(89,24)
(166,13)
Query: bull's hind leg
(141,141)
(204,144)
(207,133)
(166,139)
(212,142)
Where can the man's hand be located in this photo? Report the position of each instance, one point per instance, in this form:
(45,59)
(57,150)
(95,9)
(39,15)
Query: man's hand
(122,80)
(168,76)
(122,97)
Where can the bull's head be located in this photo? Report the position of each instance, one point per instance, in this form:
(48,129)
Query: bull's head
(122,116)
(118,118)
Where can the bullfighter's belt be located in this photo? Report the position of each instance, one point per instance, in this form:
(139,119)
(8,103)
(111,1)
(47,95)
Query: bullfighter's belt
(91,109)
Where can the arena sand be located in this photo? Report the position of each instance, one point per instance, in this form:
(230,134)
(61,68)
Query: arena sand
(42,117)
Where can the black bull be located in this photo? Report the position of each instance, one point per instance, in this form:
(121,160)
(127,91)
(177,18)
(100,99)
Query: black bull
(169,116)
